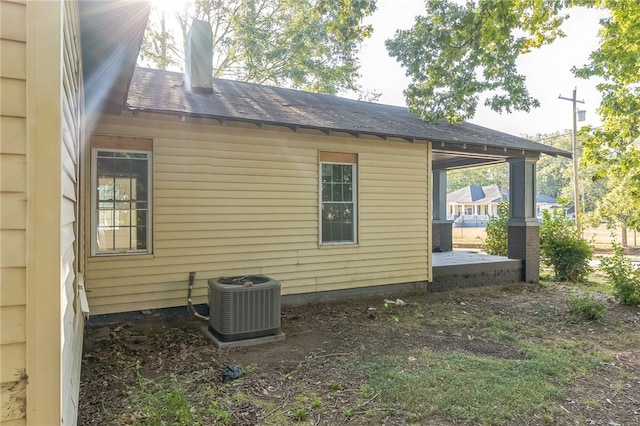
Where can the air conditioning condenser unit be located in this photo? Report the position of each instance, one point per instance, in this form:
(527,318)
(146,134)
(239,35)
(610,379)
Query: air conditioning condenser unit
(244,307)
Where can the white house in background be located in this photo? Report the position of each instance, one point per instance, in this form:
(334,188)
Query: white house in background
(545,202)
(473,205)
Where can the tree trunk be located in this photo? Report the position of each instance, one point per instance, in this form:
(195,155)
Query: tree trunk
(624,236)
(163,44)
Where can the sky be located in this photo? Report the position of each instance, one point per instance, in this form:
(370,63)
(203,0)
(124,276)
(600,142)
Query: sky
(548,71)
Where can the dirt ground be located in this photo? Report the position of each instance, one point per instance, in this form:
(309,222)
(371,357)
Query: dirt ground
(321,338)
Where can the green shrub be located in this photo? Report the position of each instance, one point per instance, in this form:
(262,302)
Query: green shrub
(563,248)
(497,232)
(586,307)
(623,276)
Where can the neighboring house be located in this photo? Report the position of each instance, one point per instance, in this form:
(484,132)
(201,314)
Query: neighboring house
(474,205)
(545,202)
(124,181)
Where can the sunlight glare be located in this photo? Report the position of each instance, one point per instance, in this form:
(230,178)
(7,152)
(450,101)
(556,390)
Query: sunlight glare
(169,7)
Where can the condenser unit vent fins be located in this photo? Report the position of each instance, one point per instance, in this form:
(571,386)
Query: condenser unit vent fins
(244,307)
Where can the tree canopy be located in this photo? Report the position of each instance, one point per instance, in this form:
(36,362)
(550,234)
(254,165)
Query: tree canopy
(483,176)
(306,44)
(554,175)
(458,55)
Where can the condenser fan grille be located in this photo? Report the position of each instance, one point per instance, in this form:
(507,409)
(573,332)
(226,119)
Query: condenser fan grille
(244,307)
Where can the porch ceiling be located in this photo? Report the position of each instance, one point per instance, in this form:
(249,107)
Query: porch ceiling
(456,156)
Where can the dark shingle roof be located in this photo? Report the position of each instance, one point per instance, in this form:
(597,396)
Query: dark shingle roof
(488,194)
(544,198)
(157,90)
(477,194)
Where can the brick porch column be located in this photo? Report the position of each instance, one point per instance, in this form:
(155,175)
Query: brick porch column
(442,231)
(523,226)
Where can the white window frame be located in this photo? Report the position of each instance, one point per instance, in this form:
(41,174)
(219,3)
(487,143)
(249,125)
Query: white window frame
(355,185)
(94,203)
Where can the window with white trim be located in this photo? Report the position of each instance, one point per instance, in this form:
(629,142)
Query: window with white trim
(121,201)
(338,198)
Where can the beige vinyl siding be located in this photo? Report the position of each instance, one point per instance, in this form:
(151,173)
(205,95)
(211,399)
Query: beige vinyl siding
(51,139)
(24,299)
(13,211)
(72,319)
(231,200)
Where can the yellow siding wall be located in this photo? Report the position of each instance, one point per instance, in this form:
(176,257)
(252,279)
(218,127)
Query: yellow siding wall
(31,119)
(232,200)
(13,212)
(72,319)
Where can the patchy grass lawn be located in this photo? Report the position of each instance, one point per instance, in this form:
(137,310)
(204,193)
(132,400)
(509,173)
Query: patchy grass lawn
(500,355)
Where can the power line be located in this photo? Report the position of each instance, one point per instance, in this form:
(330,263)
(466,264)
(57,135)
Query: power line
(559,135)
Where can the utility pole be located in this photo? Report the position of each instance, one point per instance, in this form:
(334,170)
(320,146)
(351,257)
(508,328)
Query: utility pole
(576,190)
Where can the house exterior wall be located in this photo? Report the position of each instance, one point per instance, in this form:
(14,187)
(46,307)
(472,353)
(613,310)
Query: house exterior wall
(236,200)
(71,138)
(40,118)
(13,212)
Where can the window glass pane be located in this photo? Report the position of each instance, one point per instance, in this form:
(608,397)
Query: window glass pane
(337,173)
(122,189)
(106,188)
(106,218)
(122,225)
(124,217)
(347,232)
(326,232)
(326,192)
(121,238)
(140,180)
(122,206)
(337,222)
(337,192)
(347,192)
(338,206)
(107,167)
(105,239)
(331,222)
(141,218)
(347,174)
(329,212)
(141,238)
(347,213)
(326,173)
(337,210)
